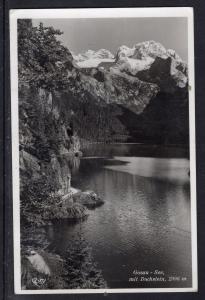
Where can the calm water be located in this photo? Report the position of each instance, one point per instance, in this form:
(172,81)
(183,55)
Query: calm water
(144,224)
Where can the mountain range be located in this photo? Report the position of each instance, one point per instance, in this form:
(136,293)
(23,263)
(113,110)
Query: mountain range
(147,83)
(133,60)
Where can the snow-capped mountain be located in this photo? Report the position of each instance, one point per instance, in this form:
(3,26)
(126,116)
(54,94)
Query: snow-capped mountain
(142,56)
(133,76)
(141,51)
(91,58)
(148,82)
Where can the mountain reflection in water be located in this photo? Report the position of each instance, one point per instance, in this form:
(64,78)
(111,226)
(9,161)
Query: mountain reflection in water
(172,169)
(145,221)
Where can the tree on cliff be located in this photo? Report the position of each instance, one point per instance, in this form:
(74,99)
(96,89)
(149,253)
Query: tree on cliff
(43,60)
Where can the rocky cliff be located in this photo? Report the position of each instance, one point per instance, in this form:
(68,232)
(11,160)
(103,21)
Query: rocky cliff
(48,147)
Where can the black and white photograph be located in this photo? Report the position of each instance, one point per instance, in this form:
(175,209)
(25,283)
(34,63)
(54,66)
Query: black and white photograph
(103,150)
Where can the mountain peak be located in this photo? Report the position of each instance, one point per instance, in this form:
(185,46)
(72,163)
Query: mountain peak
(142,50)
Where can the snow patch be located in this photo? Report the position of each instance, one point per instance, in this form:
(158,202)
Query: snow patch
(133,66)
(91,58)
(92,62)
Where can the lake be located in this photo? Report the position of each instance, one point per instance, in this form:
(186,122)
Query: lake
(144,224)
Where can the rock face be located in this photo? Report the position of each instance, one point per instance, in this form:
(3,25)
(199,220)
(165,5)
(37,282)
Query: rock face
(48,146)
(166,74)
(152,58)
(40,143)
(29,162)
(60,167)
(116,87)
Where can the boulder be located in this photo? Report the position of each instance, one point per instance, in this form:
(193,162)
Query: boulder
(88,198)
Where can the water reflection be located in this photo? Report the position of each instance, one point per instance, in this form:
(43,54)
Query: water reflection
(171,169)
(144,223)
(75,164)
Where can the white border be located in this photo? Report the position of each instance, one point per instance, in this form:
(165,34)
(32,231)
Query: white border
(98,13)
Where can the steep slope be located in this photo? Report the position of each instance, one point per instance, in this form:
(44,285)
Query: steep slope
(165,119)
(115,87)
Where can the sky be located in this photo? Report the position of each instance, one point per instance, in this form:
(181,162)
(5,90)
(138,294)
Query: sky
(80,35)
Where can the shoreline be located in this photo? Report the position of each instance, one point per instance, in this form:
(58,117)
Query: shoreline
(141,144)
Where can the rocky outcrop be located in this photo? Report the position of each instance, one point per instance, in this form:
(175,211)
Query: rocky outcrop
(60,168)
(88,198)
(57,168)
(151,62)
(48,148)
(165,74)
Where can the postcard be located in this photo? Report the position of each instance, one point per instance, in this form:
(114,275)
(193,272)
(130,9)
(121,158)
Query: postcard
(103,150)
